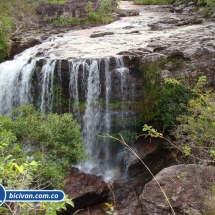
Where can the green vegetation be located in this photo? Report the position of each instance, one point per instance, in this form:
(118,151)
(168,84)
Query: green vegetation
(14,15)
(65,21)
(194,132)
(199,126)
(151,79)
(209,202)
(37,151)
(5,29)
(192,138)
(209,6)
(100,15)
(163,100)
(51,138)
(207,3)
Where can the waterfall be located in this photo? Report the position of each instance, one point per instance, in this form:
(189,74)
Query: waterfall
(58,92)
(107,115)
(100,95)
(94,85)
(74,68)
(92,114)
(47,86)
(15,84)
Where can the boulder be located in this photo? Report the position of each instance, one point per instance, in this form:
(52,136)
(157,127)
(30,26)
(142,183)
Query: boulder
(84,189)
(186,187)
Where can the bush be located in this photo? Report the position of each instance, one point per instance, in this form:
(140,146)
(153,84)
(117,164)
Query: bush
(55,141)
(163,100)
(194,132)
(36,150)
(66,21)
(101,14)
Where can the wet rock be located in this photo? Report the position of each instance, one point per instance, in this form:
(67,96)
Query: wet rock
(189,21)
(128,27)
(186,187)
(147,149)
(153,25)
(133,32)
(213,17)
(84,189)
(100,34)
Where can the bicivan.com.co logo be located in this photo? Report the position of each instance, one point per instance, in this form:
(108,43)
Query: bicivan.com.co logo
(30,195)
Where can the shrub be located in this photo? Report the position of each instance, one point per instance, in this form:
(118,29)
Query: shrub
(18,171)
(101,14)
(162,102)
(66,21)
(54,140)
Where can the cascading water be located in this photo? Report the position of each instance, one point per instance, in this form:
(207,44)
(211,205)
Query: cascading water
(99,91)
(47,86)
(98,87)
(15,83)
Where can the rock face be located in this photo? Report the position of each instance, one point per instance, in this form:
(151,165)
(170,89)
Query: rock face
(186,186)
(156,157)
(190,56)
(178,20)
(84,189)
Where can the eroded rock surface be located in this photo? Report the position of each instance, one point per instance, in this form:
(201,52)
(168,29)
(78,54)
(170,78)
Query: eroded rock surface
(84,189)
(189,55)
(186,186)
